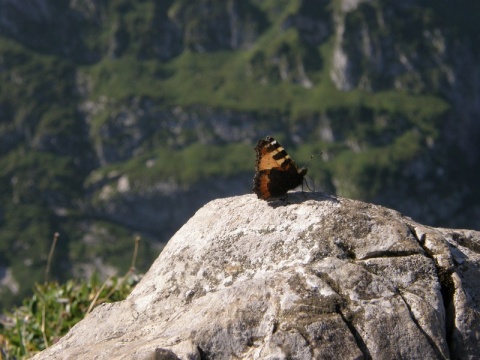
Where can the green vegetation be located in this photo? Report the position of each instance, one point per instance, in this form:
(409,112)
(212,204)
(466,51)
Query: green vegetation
(53,310)
(112,86)
(186,166)
(56,307)
(374,169)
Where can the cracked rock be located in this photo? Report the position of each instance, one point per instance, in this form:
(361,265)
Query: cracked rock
(313,277)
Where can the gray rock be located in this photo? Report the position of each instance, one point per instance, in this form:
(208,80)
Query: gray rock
(314,277)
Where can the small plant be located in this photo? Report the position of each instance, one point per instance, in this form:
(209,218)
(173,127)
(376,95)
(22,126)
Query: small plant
(55,308)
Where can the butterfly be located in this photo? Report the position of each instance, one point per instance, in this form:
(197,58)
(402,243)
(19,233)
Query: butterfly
(276,172)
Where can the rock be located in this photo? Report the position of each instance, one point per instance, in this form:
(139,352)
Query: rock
(313,277)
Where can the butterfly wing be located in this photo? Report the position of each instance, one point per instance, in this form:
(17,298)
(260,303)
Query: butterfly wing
(276,172)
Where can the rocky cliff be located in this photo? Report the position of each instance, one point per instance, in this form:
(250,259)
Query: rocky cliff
(111,111)
(313,277)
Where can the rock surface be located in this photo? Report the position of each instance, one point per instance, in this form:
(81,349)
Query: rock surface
(317,276)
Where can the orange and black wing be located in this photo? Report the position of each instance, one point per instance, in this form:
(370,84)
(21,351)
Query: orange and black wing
(276,172)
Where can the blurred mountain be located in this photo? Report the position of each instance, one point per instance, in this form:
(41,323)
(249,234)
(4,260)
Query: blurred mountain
(121,118)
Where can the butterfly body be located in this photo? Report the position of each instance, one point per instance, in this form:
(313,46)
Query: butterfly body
(276,172)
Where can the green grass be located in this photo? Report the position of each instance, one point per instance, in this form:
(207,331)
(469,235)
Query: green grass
(53,310)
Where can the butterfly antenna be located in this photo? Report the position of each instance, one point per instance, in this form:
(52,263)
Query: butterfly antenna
(309,161)
(311,158)
(305,180)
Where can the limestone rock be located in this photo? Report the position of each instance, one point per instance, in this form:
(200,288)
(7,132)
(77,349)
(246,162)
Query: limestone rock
(313,277)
